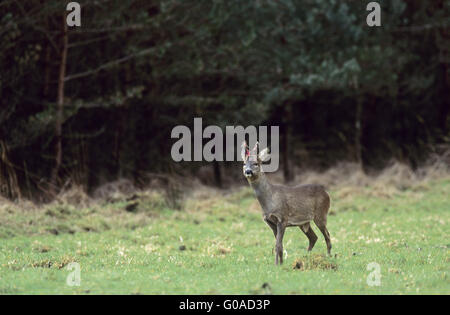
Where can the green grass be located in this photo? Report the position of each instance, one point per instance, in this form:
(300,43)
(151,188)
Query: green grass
(228,248)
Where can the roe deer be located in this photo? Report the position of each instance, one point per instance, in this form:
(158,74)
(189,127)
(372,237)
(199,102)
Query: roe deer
(286,206)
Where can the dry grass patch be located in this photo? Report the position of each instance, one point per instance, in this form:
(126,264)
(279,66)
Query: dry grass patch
(58,264)
(218,248)
(314,262)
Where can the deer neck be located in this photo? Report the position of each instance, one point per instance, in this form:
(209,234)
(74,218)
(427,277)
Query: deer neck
(263,191)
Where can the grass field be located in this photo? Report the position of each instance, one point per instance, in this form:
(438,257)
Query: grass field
(220,245)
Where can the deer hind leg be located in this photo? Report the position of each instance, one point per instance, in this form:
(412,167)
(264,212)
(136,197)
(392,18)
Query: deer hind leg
(312,237)
(322,225)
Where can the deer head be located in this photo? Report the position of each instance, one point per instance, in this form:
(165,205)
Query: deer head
(253,160)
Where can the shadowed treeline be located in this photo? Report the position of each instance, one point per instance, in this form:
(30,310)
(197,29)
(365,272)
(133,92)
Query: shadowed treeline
(93,104)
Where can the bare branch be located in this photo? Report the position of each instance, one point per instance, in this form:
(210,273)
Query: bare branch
(89,41)
(125,28)
(421,28)
(110,64)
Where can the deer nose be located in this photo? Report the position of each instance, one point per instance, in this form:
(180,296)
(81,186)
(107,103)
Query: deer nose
(248,172)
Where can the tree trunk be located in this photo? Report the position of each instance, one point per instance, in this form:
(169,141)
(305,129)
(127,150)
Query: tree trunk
(358,153)
(47,68)
(217,174)
(9,185)
(287,172)
(59,108)
(444,52)
(358,123)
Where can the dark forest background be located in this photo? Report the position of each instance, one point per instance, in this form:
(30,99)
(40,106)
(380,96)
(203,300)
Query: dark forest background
(89,105)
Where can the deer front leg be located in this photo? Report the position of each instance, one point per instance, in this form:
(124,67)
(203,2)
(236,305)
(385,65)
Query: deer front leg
(273,226)
(279,243)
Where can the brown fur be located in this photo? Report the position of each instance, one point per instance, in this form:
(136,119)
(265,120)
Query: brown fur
(286,206)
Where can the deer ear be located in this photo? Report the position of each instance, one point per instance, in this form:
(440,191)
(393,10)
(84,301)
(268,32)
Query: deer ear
(264,155)
(255,148)
(244,150)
